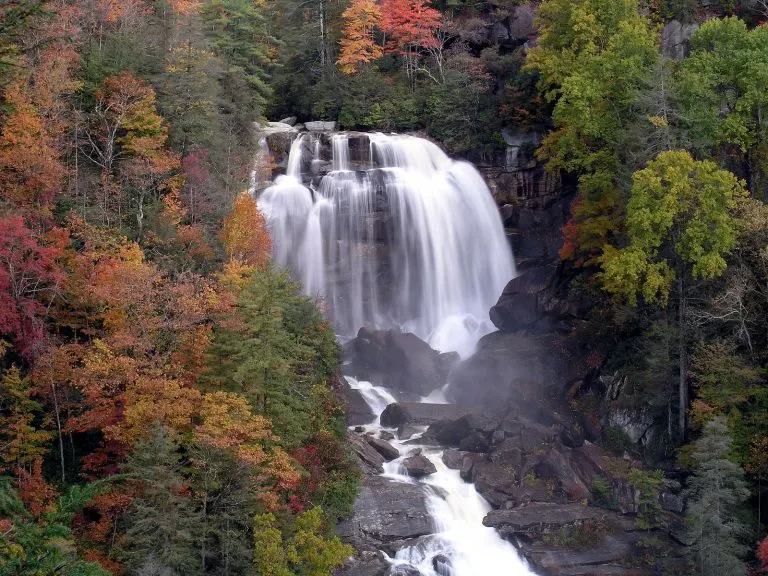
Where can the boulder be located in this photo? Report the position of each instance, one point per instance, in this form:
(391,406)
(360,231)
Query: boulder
(386,435)
(398,360)
(387,451)
(494,483)
(371,462)
(442,565)
(367,563)
(419,466)
(518,305)
(539,517)
(508,455)
(386,514)
(400,414)
(320,126)
(675,38)
(358,412)
(672,502)
(634,422)
(291,120)
(520,370)
(452,458)
(467,466)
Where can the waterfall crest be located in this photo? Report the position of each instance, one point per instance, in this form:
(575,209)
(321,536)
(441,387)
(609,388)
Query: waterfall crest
(391,233)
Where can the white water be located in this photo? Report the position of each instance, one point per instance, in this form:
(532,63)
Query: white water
(406,238)
(456,509)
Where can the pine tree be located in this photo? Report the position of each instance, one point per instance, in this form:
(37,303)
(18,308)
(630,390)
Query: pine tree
(716,492)
(165,529)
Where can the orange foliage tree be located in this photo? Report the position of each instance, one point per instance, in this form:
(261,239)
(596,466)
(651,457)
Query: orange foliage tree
(244,234)
(357,44)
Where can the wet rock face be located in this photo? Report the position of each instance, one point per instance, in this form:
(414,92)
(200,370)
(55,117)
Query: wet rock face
(398,360)
(386,515)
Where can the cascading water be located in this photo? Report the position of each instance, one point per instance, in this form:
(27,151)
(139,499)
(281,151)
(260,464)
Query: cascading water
(396,234)
(401,237)
(456,509)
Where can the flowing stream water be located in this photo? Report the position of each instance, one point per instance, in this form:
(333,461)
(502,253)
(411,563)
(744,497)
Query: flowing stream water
(399,235)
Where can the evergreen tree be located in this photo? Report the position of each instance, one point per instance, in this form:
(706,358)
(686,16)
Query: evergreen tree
(717,491)
(165,529)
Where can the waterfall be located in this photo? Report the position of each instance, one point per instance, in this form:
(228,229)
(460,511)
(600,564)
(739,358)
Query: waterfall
(395,235)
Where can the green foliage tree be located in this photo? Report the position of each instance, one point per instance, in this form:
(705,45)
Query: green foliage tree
(716,492)
(680,226)
(722,86)
(279,358)
(240,37)
(592,57)
(648,484)
(165,529)
(34,548)
(305,552)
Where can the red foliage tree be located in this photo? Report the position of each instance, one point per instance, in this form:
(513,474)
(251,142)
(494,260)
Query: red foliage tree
(30,277)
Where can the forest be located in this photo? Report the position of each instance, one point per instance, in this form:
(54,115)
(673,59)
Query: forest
(169,400)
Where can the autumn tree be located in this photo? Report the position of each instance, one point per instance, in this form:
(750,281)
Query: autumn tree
(680,226)
(723,97)
(358,46)
(125,130)
(410,26)
(305,551)
(244,234)
(30,278)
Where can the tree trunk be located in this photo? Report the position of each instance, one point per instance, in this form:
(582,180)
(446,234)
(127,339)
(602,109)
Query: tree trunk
(682,386)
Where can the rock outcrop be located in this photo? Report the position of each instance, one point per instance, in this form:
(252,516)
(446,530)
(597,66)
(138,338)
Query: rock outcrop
(386,516)
(398,360)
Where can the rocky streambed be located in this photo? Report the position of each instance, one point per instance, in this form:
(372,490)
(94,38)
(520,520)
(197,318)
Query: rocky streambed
(564,503)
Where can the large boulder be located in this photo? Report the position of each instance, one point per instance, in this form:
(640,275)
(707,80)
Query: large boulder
(419,466)
(400,414)
(538,517)
(320,126)
(387,451)
(398,360)
(369,460)
(358,412)
(386,515)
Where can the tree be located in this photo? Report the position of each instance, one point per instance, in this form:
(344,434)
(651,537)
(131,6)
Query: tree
(679,227)
(357,44)
(716,492)
(410,26)
(305,552)
(241,38)
(30,547)
(125,128)
(30,278)
(21,442)
(244,234)
(164,528)
(30,171)
(592,57)
(722,89)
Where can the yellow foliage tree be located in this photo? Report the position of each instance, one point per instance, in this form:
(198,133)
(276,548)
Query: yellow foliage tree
(357,44)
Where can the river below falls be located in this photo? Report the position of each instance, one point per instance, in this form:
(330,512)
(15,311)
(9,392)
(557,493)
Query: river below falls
(456,508)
